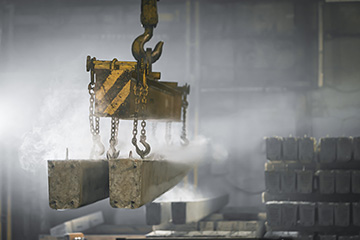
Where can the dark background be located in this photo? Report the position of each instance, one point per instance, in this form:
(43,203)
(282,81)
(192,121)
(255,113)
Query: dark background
(256,68)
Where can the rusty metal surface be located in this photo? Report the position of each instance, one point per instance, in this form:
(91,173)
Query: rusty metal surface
(114,92)
(75,183)
(133,183)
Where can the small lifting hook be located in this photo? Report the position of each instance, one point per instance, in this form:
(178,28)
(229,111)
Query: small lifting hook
(112,153)
(98,148)
(149,20)
(146,151)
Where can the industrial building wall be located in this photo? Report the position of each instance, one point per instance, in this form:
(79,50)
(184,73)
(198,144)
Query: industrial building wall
(252,66)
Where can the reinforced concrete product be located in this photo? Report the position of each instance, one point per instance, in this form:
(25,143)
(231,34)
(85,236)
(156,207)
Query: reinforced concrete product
(75,183)
(342,214)
(307,147)
(290,149)
(325,214)
(327,152)
(304,181)
(344,149)
(306,214)
(135,182)
(326,181)
(342,181)
(274,148)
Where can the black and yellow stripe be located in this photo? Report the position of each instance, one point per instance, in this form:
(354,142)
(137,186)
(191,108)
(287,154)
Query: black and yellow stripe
(112,90)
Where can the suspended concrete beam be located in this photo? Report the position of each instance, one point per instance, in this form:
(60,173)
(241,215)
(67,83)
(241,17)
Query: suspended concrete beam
(75,183)
(133,182)
(192,211)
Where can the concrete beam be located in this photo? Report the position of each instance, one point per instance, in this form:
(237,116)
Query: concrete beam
(133,182)
(193,211)
(75,183)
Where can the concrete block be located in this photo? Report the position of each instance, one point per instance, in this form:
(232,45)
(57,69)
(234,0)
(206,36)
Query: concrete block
(76,183)
(304,181)
(290,149)
(288,181)
(325,212)
(273,213)
(342,181)
(135,182)
(274,148)
(327,153)
(344,149)
(355,181)
(307,147)
(355,237)
(306,214)
(356,148)
(272,181)
(289,213)
(356,213)
(326,181)
(342,214)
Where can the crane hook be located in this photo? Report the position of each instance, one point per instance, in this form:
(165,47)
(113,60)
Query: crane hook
(149,19)
(138,50)
(146,151)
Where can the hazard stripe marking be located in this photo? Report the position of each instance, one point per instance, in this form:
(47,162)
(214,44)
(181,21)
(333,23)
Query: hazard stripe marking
(109,82)
(119,99)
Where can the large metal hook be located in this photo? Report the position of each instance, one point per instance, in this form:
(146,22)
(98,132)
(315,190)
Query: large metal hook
(146,151)
(138,46)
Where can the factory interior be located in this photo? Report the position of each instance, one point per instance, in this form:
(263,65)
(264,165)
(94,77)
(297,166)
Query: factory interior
(179,119)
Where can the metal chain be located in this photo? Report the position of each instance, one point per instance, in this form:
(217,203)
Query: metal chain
(183,137)
(94,127)
(140,92)
(112,153)
(135,131)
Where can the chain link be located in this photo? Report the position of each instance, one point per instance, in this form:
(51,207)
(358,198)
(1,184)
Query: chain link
(94,122)
(112,153)
(141,91)
(183,137)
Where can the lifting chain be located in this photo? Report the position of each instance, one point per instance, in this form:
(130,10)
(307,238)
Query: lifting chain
(140,91)
(98,148)
(183,137)
(112,153)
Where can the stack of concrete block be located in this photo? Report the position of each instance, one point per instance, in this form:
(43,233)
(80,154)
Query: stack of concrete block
(325,174)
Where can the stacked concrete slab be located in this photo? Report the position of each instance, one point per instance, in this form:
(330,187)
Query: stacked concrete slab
(313,187)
